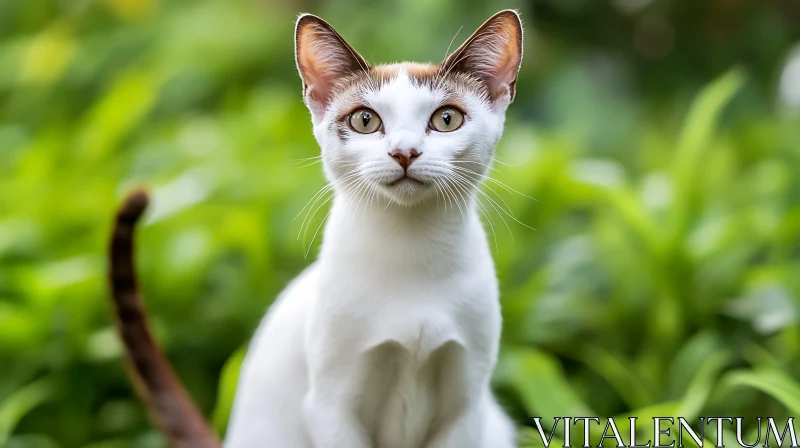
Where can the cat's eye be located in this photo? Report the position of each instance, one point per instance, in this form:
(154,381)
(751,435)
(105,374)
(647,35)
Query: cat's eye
(446,119)
(365,121)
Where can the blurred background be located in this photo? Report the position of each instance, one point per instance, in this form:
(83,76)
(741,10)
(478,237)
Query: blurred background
(659,140)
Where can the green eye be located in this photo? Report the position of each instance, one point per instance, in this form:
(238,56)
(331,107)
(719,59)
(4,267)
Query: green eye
(446,119)
(365,121)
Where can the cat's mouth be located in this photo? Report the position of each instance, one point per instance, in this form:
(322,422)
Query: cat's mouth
(405,179)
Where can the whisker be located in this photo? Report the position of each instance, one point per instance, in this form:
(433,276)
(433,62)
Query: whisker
(308,164)
(348,184)
(507,213)
(461,196)
(447,52)
(319,192)
(358,190)
(490,178)
(492,190)
(463,47)
(492,203)
(445,197)
(474,162)
(482,209)
(460,211)
(439,193)
(372,195)
(312,211)
(316,210)
(447,194)
(322,191)
(506,163)
(311,244)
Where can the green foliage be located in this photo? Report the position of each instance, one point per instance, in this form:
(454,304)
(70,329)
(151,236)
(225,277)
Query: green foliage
(773,382)
(227,389)
(18,404)
(662,277)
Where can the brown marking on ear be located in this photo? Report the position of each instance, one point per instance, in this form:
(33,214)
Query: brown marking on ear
(493,54)
(323,59)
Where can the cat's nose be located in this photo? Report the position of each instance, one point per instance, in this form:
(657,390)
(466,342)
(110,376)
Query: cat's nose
(404,157)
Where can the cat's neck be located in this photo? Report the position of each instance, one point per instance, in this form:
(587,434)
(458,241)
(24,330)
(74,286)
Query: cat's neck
(439,236)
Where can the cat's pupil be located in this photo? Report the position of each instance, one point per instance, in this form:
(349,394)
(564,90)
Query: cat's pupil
(446,116)
(365,117)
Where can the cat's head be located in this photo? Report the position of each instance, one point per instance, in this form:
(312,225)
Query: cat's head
(409,131)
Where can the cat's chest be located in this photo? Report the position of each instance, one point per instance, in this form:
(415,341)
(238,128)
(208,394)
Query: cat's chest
(420,315)
(419,329)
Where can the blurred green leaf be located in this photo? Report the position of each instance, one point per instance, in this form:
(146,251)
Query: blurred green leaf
(702,385)
(696,141)
(619,375)
(14,407)
(539,380)
(772,382)
(227,389)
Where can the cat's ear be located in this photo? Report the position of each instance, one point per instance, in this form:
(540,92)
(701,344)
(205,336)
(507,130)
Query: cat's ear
(493,54)
(323,58)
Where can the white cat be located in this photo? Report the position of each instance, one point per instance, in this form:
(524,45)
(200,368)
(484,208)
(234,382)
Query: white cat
(389,340)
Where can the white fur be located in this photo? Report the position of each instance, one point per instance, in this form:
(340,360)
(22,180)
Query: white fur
(389,340)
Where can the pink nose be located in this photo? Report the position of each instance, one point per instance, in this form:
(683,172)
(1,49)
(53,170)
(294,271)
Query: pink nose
(404,157)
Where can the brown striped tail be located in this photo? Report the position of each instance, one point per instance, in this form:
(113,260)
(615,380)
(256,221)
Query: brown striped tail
(169,404)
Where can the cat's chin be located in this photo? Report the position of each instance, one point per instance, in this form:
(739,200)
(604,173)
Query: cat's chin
(406,191)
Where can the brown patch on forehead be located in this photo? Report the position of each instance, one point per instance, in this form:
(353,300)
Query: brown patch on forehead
(428,75)
(422,74)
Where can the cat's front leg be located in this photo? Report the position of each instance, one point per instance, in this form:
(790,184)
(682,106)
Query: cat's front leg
(465,431)
(485,426)
(332,423)
(336,375)
(462,379)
